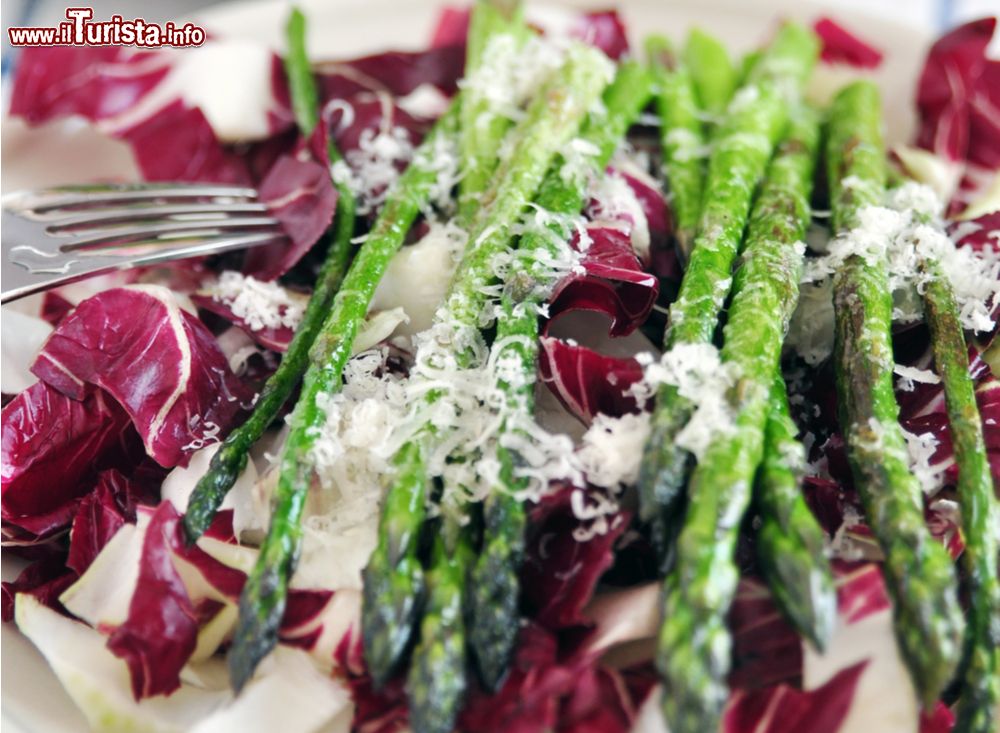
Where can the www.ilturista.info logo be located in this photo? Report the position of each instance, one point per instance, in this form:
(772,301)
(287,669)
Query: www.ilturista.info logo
(81,30)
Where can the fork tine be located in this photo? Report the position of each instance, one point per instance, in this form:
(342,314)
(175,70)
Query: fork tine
(164,230)
(59,221)
(80,196)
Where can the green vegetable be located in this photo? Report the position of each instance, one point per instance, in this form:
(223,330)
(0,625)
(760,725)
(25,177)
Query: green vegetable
(980,669)
(741,147)
(694,643)
(715,79)
(264,596)
(393,576)
(229,461)
(919,574)
(483,126)
(790,542)
(493,586)
(436,682)
(683,141)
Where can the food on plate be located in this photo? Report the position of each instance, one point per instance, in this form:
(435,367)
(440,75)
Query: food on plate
(595,388)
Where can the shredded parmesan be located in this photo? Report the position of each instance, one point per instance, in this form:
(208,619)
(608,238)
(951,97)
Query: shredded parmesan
(903,235)
(259,305)
(909,376)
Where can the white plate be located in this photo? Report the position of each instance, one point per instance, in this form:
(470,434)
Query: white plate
(32,699)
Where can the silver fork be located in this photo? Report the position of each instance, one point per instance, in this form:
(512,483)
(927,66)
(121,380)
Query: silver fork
(54,236)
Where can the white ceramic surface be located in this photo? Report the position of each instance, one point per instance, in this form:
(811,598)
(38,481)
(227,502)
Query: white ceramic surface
(31,697)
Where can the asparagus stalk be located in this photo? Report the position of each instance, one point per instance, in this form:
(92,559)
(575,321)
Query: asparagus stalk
(919,574)
(693,653)
(437,678)
(229,461)
(493,589)
(790,546)
(264,596)
(495,22)
(712,71)
(980,669)
(436,682)
(683,141)
(393,575)
(742,145)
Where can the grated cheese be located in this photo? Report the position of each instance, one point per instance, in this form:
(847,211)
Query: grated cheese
(911,375)
(921,449)
(903,234)
(260,305)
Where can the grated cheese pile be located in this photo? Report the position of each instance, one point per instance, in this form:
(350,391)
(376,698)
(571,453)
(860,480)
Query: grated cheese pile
(258,304)
(906,232)
(703,379)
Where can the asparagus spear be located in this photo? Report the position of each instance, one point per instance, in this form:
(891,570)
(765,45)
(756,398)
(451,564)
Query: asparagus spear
(437,678)
(493,588)
(980,669)
(712,71)
(790,547)
(742,145)
(919,574)
(393,575)
(694,641)
(229,461)
(683,140)
(262,602)
(437,681)
(498,22)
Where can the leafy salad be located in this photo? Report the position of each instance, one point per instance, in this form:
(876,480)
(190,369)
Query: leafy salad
(596,388)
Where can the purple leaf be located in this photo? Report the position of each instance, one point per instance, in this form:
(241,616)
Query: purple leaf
(614,284)
(102,512)
(561,572)
(784,709)
(159,362)
(587,382)
(45,579)
(841,46)
(397,73)
(161,630)
(275,339)
(53,447)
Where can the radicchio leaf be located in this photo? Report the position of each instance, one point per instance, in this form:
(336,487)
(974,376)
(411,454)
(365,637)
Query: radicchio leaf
(45,579)
(841,46)
(159,362)
(602,29)
(53,447)
(300,194)
(614,282)
(375,711)
(982,233)
(957,98)
(766,649)
(161,630)
(784,709)
(101,513)
(275,339)
(587,382)
(953,69)
(397,73)
(546,690)
(560,572)
(96,82)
